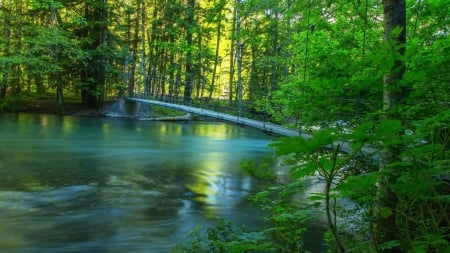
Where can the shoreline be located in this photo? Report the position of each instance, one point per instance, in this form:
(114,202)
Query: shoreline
(47,106)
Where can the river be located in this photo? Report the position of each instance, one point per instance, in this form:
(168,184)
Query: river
(79,184)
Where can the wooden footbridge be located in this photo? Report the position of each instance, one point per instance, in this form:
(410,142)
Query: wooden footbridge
(260,125)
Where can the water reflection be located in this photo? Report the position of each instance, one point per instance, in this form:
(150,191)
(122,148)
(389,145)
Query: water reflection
(70,184)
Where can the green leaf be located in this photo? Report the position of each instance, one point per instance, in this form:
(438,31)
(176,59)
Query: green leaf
(388,128)
(389,245)
(289,145)
(317,197)
(300,145)
(263,194)
(252,237)
(360,135)
(316,204)
(307,169)
(358,187)
(323,138)
(385,212)
(443,199)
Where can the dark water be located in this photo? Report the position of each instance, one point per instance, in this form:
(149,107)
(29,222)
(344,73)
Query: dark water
(72,184)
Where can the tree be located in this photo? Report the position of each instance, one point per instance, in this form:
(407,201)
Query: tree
(218,17)
(55,54)
(11,48)
(190,28)
(394,96)
(6,10)
(95,43)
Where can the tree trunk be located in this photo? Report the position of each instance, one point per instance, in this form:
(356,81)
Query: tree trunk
(95,73)
(55,54)
(200,84)
(39,82)
(275,53)
(393,98)
(239,57)
(153,50)
(189,77)
(143,65)
(232,48)
(217,52)
(134,45)
(172,68)
(59,93)
(6,7)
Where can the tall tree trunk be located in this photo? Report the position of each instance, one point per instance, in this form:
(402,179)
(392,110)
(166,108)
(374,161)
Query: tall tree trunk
(161,80)
(39,82)
(189,77)
(12,75)
(143,71)
(54,52)
(254,83)
(178,82)
(131,72)
(152,39)
(394,18)
(275,53)
(6,7)
(134,46)
(198,70)
(59,92)
(172,68)
(232,49)
(239,57)
(216,56)
(393,98)
(95,74)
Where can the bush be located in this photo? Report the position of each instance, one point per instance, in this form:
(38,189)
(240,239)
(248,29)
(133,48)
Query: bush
(12,104)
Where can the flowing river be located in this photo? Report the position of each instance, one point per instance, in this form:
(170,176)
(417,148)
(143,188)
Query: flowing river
(74,184)
(77,184)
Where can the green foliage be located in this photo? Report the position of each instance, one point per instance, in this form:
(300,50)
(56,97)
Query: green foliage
(12,104)
(301,146)
(224,237)
(52,51)
(263,169)
(359,188)
(286,224)
(421,189)
(158,111)
(45,4)
(422,194)
(389,245)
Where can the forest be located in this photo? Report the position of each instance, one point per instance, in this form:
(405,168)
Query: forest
(362,72)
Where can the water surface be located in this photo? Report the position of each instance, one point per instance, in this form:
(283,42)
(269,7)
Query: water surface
(74,184)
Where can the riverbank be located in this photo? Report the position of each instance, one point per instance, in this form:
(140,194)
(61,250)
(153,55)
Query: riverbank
(52,107)
(46,105)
